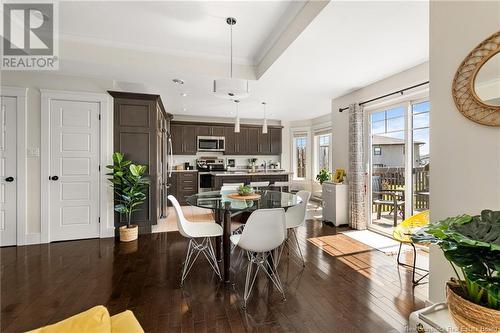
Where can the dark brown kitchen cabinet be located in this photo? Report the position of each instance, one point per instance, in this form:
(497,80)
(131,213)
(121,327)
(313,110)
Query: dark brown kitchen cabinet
(275,140)
(140,132)
(264,143)
(220,180)
(183,139)
(241,139)
(253,140)
(230,140)
(183,184)
(203,130)
(208,130)
(217,131)
(250,140)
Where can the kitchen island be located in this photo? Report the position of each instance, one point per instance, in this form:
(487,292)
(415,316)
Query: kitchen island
(230,177)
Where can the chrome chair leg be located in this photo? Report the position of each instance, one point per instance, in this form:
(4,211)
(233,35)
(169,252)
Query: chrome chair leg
(294,233)
(260,260)
(194,250)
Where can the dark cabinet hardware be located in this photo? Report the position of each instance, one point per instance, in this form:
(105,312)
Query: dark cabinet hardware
(53,177)
(9,179)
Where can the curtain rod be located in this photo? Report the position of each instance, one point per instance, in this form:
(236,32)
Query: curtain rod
(387,95)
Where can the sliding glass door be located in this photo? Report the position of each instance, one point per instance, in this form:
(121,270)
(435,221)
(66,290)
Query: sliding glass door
(398,165)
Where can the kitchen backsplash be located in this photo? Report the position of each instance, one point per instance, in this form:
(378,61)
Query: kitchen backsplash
(240,160)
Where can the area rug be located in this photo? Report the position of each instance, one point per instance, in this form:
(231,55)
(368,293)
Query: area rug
(353,242)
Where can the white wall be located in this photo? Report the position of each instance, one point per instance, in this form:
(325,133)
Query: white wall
(340,121)
(35,81)
(465,156)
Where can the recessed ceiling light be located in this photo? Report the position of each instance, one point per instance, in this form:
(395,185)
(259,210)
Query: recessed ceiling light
(184,109)
(178,81)
(184,94)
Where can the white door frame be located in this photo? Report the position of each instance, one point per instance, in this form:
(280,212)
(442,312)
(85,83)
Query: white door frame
(106,228)
(20,95)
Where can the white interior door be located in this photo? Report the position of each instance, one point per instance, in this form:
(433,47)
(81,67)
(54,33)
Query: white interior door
(8,219)
(74,169)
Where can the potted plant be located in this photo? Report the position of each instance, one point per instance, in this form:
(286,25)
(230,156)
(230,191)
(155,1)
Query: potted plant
(323,176)
(130,186)
(472,246)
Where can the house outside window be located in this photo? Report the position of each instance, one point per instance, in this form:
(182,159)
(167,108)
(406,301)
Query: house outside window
(323,152)
(300,151)
(377,150)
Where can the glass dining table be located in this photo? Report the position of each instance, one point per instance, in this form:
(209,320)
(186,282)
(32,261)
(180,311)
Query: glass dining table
(225,207)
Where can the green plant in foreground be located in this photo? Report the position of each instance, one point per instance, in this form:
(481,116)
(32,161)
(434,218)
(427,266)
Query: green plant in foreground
(129,185)
(323,176)
(471,244)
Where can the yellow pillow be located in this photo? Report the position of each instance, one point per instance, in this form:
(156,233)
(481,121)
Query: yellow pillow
(125,322)
(94,320)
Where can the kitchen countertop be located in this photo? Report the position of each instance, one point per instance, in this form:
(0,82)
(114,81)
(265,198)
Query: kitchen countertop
(185,170)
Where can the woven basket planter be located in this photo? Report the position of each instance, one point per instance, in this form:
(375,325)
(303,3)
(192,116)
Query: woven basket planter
(468,316)
(129,234)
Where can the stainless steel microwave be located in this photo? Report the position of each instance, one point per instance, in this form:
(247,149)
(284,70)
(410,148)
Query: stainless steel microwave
(211,143)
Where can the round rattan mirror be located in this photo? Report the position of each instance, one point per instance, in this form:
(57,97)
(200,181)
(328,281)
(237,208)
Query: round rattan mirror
(475,89)
(487,82)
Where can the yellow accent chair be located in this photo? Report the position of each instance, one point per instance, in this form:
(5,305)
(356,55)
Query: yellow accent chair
(403,232)
(95,320)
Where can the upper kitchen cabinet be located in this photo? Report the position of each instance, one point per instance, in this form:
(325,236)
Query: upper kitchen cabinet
(209,130)
(140,129)
(264,142)
(230,137)
(253,139)
(183,138)
(275,140)
(241,142)
(249,141)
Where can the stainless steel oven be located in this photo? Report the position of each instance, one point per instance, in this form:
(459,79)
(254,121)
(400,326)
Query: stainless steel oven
(211,143)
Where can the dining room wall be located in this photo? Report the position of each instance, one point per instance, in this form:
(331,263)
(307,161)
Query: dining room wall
(464,155)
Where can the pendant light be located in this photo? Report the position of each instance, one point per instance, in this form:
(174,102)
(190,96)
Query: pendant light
(264,126)
(237,122)
(231,88)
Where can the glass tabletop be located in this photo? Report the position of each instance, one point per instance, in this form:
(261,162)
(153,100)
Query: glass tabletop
(268,199)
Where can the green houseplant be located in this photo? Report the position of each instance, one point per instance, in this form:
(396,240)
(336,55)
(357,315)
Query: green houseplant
(472,246)
(130,187)
(323,176)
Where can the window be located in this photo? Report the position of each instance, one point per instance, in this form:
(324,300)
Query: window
(377,150)
(323,152)
(299,147)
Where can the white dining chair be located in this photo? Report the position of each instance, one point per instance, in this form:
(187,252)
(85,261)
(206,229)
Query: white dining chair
(199,234)
(258,185)
(281,185)
(264,232)
(295,217)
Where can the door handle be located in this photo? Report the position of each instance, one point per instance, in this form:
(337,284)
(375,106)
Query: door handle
(9,179)
(53,178)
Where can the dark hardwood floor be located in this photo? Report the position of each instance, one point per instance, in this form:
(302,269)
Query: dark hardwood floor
(359,292)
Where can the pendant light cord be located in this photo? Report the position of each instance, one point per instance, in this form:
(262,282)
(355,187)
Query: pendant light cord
(231,51)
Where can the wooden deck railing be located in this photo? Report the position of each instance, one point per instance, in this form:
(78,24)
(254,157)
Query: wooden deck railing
(395,178)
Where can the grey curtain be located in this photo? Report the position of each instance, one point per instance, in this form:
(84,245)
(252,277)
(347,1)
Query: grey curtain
(356,176)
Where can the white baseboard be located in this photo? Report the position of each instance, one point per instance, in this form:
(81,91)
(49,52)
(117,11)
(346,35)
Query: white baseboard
(33,238)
